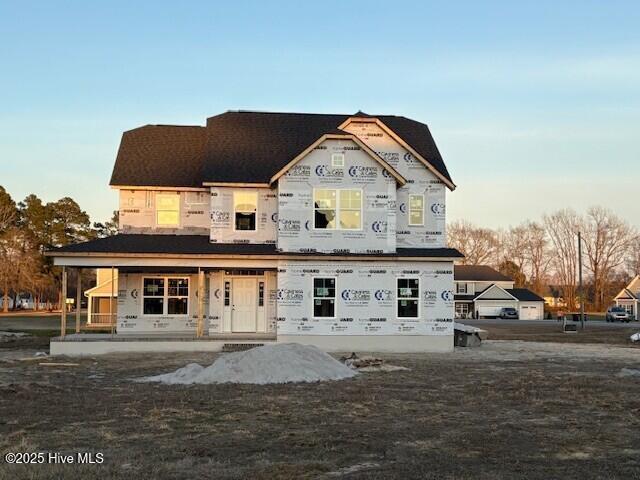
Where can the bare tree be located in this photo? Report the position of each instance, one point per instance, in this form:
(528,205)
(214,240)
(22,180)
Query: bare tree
(607,239)
(633,257)
(562,229)
(479,245)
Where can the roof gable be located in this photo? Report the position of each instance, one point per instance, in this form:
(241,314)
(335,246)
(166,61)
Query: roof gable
(495,292)
(435,158)
(341,136)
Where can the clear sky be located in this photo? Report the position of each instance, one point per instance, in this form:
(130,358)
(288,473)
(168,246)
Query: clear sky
(535,105)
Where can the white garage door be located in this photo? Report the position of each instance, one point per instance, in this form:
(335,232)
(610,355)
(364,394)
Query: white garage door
(489,311)
(530,312)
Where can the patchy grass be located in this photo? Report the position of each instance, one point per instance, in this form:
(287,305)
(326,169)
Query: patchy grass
(600,333)
(503,411)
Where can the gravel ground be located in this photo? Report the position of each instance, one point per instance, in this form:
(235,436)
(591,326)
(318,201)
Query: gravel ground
(506,410)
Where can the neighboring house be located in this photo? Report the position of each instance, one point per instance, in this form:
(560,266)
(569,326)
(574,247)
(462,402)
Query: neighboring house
(629,298)
(101,311)
(481,292)
(318,229)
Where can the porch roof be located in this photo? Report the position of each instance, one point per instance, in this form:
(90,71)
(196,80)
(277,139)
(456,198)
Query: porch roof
(181,245)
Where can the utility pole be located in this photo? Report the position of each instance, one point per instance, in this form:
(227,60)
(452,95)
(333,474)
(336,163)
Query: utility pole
(581,290)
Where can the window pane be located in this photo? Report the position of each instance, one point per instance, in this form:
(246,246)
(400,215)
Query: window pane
(227,293)
(177,306)
(246,202)
(324,287)
(407,288)
(350,199)
(324,199)
(325,219)
(408,308)
(153,306)
(153,287)
(178,287)
(167,217)
(323,308)
(416,217)
(350,220)
(415,202)
(245,221)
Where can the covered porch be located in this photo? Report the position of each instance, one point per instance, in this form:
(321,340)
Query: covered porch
(172,301)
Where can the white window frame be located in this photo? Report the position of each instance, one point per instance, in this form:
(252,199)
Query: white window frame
(337,159)
(165,296)
(409,209)
(335,297)
(465,313)
(466,288)
(337,219)
(156,210)
(398,298)
(234,211)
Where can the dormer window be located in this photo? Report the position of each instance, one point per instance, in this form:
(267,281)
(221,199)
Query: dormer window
(337,159)
(245,207)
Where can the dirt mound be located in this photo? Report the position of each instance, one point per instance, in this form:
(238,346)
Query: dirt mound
(278,363)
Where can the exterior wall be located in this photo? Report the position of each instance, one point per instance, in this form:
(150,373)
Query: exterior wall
(481,286)
(130,319)
(222,217)
(138,212)
(220,315)
(420,181)
(295,202)
(365,298)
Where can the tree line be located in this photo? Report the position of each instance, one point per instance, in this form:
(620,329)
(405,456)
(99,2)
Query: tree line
(27,230)
(543,255)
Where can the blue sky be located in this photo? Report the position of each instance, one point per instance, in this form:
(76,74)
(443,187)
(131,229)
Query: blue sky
(535,105)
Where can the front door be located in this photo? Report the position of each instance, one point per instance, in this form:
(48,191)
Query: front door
(243,305)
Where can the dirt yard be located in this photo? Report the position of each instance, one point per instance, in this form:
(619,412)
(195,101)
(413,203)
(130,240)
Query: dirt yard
(506,410)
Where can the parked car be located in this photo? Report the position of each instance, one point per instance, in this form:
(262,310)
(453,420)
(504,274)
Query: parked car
(508,312)
(617,314)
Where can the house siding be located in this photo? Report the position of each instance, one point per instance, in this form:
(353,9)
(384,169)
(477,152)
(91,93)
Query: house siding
(223,221)
(296,232)
(419,181)
(365,298)
(137,212)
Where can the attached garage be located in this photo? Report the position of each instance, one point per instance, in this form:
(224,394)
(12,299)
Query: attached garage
(491,301)
(531,311)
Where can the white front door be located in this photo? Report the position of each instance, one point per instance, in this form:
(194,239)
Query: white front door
(243,305)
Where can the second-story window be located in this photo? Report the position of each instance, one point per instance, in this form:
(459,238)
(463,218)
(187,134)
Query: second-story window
(245,206)
(168,209)
(337,159)
(416,210)
(337,209)
(461,288)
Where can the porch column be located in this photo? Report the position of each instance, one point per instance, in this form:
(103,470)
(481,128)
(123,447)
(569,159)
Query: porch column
(111,318)
(78,298)
(63,303)
(200,326)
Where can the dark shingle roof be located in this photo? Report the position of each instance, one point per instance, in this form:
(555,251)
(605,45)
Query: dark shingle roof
(479,273)
(199,244)
(248,147)
(160,156)
(525,295)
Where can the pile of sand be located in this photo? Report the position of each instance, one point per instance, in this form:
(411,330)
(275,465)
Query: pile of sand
(277,363)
